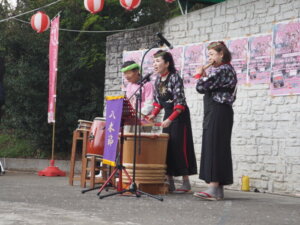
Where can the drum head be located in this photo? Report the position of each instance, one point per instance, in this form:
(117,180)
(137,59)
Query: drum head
(100,118)
(85,121)
(84,125)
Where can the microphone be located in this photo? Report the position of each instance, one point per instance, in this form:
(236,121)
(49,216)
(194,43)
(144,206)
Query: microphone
(164,41)
(146,78)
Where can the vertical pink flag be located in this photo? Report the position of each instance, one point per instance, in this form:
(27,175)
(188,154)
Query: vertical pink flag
(53,53)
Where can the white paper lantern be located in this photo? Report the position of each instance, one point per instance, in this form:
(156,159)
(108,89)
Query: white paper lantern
(130,4)
(94,6)
(40,22)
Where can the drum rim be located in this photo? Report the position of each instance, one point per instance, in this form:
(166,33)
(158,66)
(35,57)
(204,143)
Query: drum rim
(147,135)
(100,118)
(84,125)
(83,128)
(149,166)
(85,121)
(93,154)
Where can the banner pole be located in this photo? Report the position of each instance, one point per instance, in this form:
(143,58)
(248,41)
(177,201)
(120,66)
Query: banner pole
(53,140)
(53,54)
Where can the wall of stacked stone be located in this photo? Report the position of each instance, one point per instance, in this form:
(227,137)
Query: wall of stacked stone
(266,133)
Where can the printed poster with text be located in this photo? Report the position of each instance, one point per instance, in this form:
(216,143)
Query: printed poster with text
(148,63)
(239,49)
(259,65)
(193,58)
(285,76)
(177,53)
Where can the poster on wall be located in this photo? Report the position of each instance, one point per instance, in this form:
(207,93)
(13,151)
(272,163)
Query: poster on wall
(177,53)
(259,64)
(193,58)
(239,49)
(285,76)
(131,56)
(148,61)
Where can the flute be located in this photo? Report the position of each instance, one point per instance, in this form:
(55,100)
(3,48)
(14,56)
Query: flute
(198,76)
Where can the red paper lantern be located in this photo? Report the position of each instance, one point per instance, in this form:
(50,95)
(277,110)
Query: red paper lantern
(94,6)
(170,1)
(40,22)
(130,4)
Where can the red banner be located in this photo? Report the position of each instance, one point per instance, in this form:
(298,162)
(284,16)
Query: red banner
(53,53)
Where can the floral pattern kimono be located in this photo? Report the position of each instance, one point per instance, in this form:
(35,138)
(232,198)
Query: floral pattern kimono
(169,94)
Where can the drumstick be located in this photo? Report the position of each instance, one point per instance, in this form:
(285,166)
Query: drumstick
(151,125)
(198,76)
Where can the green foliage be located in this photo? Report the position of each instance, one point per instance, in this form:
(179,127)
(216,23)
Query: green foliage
(81,67)
(13,147)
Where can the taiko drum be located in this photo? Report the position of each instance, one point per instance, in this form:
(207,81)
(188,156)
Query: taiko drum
(150,162)
(96,140)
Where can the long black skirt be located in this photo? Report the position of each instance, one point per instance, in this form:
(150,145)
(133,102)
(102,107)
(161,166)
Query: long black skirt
(181,158)
(216,161)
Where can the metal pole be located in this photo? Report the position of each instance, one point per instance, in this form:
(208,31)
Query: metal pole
(182,13)
(53,140)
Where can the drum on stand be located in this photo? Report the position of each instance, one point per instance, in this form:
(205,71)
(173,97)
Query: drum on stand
(84,125)
(96,140)
(151,163)
(94,153)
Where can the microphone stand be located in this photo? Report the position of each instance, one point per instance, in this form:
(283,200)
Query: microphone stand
(138,106)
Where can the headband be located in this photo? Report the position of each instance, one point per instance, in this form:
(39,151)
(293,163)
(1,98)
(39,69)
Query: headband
(215,44)
(130,67)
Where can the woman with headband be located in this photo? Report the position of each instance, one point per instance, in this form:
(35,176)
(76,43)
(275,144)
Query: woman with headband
(131,72)
(218,87)
(169,95)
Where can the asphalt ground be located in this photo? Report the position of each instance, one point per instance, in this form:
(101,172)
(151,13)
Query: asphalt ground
(26,198)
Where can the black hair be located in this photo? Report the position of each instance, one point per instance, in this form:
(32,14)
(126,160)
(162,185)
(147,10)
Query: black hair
(167,57)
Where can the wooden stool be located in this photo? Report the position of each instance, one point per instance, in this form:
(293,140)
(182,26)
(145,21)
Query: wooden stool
(78,135)
(88,163)
(89,167)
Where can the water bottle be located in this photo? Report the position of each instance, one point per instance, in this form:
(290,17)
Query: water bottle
(245,183)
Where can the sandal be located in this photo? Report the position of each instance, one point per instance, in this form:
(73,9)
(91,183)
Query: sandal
(206,196)
(181,191)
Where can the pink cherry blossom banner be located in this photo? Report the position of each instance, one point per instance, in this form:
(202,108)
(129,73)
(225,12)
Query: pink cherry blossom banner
(53,53)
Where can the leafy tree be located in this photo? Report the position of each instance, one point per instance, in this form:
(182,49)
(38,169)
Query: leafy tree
(81,65)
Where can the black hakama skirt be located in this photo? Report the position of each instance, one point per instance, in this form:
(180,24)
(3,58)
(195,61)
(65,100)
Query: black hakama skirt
(216,161)
(181,158)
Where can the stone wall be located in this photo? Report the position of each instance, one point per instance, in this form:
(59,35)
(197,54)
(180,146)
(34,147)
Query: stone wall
(266,134)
